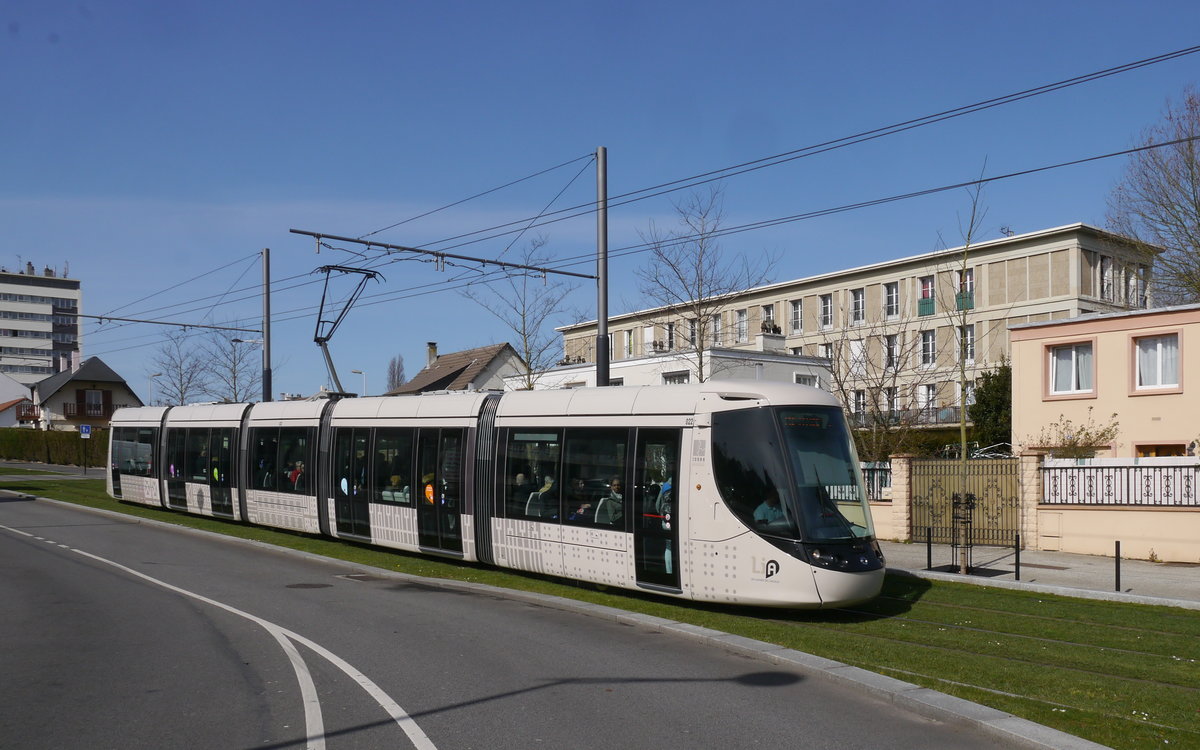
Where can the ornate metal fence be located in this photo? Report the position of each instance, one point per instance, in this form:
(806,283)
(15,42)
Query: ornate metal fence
(993,484)
(1147,482)
(878,477)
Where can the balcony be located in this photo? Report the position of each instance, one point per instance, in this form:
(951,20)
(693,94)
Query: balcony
(922,416)
(72,410)
(925,306)
(964,301)
(28,412)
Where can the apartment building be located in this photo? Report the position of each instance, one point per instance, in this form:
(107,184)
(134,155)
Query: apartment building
(900,334)
(39,330)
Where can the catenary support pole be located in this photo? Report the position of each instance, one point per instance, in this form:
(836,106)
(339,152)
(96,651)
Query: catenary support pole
(601,266)
(266,346)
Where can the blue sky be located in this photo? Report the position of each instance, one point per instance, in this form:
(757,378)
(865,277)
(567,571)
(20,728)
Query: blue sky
(148,143)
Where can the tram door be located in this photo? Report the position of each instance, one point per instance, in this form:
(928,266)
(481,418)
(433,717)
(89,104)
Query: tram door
(439,501)
(220,452)
(351,496)
(176,469)
(655,497)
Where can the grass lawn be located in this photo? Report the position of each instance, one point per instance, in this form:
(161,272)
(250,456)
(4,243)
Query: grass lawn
(1123,675)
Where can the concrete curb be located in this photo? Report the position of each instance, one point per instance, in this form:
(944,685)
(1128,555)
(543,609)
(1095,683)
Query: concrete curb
(923,701)
(1041,588)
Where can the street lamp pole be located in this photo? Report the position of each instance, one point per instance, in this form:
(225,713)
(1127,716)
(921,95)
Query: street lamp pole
(364,374)
(150,388)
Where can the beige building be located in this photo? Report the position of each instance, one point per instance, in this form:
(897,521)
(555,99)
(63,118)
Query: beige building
(39,327)
(897,331)
(1136,365)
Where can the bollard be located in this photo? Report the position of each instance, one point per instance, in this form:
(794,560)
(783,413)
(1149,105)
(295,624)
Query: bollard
(1017,549)
(928,548)
(1118,566)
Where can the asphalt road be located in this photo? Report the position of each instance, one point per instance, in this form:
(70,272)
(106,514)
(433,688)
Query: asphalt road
(127,635)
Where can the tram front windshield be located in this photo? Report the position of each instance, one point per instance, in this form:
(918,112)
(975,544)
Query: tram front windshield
(792,472)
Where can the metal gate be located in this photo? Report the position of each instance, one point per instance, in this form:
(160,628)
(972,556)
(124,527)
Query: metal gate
(992,507)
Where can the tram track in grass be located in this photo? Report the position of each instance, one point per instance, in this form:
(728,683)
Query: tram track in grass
(1124,675)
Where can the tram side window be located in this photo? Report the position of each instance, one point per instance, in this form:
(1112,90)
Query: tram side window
(295,459)
(196,459)
(594,474)
(280,458)
(392,467)
(531,474)
(264,449)
(143,458)
(350,446)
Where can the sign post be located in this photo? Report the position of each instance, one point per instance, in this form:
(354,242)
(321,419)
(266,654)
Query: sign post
(85,432)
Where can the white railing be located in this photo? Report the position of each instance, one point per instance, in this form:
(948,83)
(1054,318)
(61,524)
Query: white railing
(1113,481)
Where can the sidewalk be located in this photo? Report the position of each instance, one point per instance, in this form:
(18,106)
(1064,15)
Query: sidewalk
(1173,584)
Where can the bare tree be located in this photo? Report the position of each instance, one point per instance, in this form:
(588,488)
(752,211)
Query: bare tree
(528,304)
(874,370)
(395,373)
(184,368)
(688,275)
(1157,203)
(234,368)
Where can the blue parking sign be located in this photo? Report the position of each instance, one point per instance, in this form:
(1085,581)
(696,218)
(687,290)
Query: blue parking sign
(85,431)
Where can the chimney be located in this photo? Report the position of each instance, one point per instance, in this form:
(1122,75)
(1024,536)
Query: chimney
(29,268)
(432,352)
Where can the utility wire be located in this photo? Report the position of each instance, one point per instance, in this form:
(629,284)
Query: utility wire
(477,195)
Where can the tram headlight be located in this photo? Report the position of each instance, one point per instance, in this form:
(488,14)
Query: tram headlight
(852,557)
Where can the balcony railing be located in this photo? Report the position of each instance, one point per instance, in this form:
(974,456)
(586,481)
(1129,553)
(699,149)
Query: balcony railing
(964,301)
(28,412)
(922,416)
(925,306)
(72,410)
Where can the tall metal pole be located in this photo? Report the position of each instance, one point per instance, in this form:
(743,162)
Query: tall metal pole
(266,295)
(601,266)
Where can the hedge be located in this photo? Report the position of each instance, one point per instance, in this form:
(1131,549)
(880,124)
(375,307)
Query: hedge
(53,446)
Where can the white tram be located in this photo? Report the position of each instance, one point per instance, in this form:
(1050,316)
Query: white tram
(737,491)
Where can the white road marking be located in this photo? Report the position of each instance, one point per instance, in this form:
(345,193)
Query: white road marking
(17,531)
(419,739)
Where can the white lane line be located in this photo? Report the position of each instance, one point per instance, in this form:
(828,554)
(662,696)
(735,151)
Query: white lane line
(17,531)
(419,739)
(314,726)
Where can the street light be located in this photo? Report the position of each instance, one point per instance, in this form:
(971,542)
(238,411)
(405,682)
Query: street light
(360,372)
(150,388)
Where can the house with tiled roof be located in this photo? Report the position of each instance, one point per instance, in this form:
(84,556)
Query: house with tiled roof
(87,395)
(479,369)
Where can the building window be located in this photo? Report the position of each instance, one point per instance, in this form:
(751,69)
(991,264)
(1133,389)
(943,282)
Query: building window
(925,303)
(676,378)
(927,399)
(716,329)
(891,299)
(768,316)
(741,332)
(826,310)
(692,327)
(891,399)
(670,337)
(891,351)
(797,316)
(629,343)
(858,306)
(965,298)
(802,379)
(1158,361)
(966,393)
(826,351)
(1071,368)
(857,358)
(616,381)
(966,342)
(928,348)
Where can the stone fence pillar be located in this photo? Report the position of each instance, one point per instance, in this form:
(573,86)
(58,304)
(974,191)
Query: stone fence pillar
(1031,496)
(902,496)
